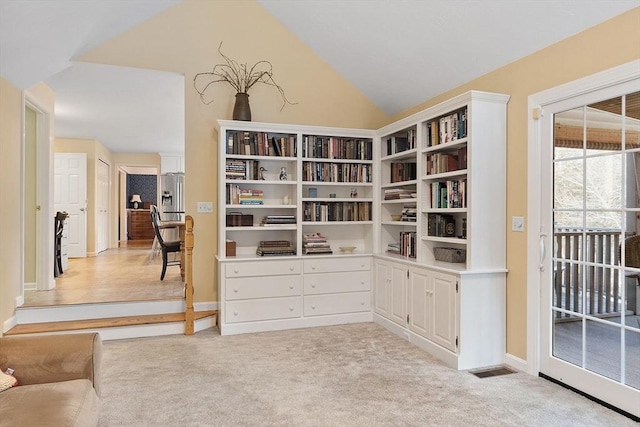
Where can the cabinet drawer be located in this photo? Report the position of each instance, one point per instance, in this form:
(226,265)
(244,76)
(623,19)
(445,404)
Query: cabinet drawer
(330,265)
(259,268)
(262,309)
(352,302)
(329,283)
(262,287)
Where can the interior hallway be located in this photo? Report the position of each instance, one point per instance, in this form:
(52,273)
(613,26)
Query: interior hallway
(115,275)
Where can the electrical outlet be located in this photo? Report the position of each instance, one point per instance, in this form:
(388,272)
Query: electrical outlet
(517,223)
(205,207)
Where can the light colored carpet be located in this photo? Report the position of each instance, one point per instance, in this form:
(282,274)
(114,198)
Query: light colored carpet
(349,375)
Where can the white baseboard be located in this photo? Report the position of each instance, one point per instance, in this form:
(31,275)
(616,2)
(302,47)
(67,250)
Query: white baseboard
(9,323)
(19,301)
(516,363)
(31,286)
(205,306)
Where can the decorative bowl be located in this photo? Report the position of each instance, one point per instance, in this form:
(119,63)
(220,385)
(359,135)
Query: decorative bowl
(347,249)
(396,217)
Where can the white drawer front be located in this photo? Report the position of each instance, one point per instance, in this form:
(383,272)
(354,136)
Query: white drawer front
(262,309)
(262,268)
(329,283)
(262,287)
(329,265)
(319,305)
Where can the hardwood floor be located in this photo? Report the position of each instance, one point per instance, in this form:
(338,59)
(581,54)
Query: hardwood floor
(115,275)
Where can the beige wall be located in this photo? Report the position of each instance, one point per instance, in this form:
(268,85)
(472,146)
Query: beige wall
(599,48)
(11,126)
(196,29)
(202,25)
(10,142)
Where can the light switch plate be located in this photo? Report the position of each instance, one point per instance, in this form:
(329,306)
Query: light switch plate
(517,223)
(205,207)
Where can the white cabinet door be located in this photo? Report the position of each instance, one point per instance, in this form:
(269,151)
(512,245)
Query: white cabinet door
(420,299)
(398,294)
(444,313)
(381,288)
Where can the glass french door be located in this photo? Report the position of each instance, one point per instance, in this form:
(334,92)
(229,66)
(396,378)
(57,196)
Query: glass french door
(590,290)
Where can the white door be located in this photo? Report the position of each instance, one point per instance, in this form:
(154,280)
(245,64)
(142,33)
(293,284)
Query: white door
(102,199)
(421,306)
(589,194)
(382,288)
(398,294)
(70,195)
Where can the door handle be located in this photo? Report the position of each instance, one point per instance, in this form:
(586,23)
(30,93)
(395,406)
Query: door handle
(82,209)
(543,251)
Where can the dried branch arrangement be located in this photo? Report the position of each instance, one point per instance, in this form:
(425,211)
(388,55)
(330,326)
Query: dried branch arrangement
(240,76)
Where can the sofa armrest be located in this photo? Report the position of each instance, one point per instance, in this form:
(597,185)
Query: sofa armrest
(53,358)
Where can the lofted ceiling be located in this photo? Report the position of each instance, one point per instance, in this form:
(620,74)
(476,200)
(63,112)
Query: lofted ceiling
(399,53)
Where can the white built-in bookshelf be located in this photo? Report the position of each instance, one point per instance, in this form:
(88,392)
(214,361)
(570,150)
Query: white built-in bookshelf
(414,214)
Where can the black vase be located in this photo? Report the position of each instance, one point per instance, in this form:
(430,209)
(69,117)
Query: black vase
(241,109)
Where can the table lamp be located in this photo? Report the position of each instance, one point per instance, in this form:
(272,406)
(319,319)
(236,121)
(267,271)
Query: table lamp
(135,199)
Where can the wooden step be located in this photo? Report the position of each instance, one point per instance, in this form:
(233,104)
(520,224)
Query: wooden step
(109,322)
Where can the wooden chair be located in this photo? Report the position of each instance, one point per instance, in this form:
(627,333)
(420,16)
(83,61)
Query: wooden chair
(165,246)
(155,246)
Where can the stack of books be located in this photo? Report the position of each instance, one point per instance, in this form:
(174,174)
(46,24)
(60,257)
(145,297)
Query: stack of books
(397,193)
(275,248)
(314,244)
(405,246)
(274,220)
(408,214)
(251,197)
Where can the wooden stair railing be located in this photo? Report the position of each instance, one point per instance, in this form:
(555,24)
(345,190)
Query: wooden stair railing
(189,317)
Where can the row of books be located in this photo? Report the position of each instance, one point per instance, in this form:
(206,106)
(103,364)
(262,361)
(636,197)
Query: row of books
(400,143)
(261,144)
(336,172)
(398,193)
(329,147)
(446,162)
(315,244)
(275,248)
(336,211)
(403,172)
(242,169)
(449,194)
(441,225)
(275,220)
(243,196)
(405,246)
(447,128)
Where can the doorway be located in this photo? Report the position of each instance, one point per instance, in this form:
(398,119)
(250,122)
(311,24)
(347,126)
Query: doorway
(586,147)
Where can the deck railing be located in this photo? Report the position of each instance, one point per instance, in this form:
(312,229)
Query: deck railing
(586,262)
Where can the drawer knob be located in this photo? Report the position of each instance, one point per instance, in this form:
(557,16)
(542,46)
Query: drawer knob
(362,265)
(235,313)
(362,282)
(313,285)
(235,270)
(290,308)
(362,303)
(291,268)
(313,306)
(235,290)
(291,286)
(313,267)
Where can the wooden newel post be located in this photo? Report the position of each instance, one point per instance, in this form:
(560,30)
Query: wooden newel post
(188,287)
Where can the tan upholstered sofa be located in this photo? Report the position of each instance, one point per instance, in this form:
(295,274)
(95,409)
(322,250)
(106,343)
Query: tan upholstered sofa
(58,380)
